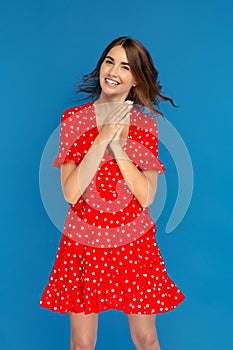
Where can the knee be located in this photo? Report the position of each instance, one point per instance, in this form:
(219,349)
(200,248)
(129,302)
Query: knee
(83,343)
(145,340)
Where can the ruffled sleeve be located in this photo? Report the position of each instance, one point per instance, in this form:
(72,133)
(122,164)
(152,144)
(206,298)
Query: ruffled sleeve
(69,139)
(144,144)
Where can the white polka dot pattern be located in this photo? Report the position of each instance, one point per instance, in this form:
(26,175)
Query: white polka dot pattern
(131,278)
(107,215)
(108,257)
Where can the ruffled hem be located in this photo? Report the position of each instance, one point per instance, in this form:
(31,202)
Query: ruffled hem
(131,278)
(101,307)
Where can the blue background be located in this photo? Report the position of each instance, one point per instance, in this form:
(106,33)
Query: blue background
(45,48)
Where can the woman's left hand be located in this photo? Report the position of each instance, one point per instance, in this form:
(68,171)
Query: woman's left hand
(119,140)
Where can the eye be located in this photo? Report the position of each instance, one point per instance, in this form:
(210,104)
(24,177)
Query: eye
(108,61)
(126,67)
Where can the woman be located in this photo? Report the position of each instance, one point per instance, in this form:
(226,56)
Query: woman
(108,257)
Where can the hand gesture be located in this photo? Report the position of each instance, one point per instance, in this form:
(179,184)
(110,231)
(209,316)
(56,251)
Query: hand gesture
(113,119)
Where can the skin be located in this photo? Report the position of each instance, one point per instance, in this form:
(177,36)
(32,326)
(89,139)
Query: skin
(116,80)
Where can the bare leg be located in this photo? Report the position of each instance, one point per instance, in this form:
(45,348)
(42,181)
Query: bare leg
(83,331)
(143,331)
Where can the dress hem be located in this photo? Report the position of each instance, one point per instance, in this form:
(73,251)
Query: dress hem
(126,311)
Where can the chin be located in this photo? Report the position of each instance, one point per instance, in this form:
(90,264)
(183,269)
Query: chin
(113,95)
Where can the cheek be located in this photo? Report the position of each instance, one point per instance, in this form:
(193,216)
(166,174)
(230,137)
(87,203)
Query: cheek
(102,70)
(130,79)
(130,82)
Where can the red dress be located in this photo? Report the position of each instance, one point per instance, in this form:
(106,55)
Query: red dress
(108,257)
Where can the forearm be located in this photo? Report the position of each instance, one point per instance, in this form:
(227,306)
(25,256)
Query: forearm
(136,180)
(82,175)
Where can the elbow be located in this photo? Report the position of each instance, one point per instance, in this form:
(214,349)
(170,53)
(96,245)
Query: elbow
(148,200)
(71,199)
(71,196)
(71,202)
(146,204)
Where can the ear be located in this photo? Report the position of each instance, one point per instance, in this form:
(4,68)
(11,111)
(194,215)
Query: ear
(134,82)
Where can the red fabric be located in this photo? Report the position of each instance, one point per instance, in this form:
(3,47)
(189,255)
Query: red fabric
(131,278)
(108,256)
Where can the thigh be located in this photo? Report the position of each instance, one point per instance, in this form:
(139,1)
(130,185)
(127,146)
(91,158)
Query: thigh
(83,326)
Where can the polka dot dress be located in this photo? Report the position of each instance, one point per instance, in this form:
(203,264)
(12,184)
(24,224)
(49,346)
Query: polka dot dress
(108,257)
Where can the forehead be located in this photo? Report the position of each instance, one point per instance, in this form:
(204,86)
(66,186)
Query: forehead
(118,53)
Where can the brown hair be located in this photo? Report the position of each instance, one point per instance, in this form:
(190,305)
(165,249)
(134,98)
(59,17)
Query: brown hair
(147,91)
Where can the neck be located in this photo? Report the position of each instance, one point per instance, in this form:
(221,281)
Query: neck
(106,99)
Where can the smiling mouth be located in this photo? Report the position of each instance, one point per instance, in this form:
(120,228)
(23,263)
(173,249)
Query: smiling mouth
(111,82)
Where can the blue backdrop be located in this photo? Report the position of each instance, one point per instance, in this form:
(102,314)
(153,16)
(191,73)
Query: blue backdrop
(45,48)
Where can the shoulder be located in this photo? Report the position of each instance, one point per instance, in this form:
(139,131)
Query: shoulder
(74,110)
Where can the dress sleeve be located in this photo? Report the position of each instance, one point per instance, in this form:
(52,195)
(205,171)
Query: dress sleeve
(149,148)
(69,139)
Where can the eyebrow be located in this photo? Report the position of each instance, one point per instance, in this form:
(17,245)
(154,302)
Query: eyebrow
(112,59)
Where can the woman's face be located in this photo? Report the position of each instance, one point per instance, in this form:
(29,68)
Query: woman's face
(116,78)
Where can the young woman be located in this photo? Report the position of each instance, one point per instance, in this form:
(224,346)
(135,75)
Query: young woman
(108,257)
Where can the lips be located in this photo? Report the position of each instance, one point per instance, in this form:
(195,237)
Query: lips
(111,82)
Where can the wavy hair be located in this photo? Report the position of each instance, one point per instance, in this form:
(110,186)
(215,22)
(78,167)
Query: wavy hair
(147,92)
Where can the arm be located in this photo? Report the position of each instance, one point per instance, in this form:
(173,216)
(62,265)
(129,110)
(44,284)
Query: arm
(143,184)
(76,178)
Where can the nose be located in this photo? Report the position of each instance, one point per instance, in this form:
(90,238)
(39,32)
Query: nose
(114,70)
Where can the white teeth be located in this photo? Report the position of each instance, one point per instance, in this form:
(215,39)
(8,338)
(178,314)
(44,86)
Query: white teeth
(129,102)
(110,81)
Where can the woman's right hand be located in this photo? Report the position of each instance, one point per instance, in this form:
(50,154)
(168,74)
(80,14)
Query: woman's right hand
(113,121)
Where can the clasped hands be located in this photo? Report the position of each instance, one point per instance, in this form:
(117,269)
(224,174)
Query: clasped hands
(115,126)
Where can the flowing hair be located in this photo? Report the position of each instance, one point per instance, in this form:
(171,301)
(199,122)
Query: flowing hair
(147,92)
